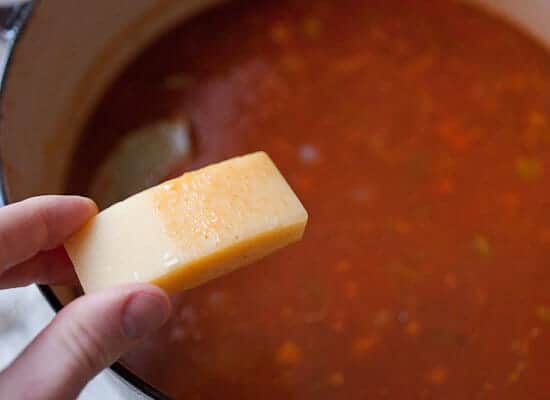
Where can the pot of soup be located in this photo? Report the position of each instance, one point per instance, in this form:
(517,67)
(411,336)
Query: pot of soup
(417,134)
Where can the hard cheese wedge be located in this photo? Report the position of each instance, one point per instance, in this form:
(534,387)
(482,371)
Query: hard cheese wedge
(191,229)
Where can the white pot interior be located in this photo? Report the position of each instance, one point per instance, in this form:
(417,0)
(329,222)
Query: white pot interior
(70,51)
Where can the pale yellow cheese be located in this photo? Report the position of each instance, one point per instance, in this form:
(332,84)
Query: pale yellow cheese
(191,229)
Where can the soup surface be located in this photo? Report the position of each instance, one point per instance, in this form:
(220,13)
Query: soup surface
(417,133)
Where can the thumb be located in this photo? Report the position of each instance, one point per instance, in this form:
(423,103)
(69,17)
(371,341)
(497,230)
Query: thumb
(85,337)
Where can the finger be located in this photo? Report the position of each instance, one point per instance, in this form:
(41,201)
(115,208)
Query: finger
(51,267)
(86,336)
(39,223)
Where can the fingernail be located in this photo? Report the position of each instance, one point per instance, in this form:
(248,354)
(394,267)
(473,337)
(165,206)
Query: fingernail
(144,314)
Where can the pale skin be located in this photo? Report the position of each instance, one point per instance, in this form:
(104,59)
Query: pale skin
(89,334)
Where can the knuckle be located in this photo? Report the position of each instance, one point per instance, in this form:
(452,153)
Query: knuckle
(85,347)
(41,229)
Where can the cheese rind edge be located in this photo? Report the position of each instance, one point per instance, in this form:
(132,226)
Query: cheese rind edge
(189,230)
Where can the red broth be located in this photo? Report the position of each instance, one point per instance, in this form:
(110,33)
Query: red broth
(417,133)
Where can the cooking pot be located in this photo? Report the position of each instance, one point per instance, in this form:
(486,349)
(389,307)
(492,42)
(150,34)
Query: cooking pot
(58,57)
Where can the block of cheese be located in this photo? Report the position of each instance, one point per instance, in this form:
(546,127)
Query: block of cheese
(189,230)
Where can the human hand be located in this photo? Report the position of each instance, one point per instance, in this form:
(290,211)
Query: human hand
(89,334)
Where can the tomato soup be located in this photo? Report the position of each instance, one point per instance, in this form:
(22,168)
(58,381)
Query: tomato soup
(417,134)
